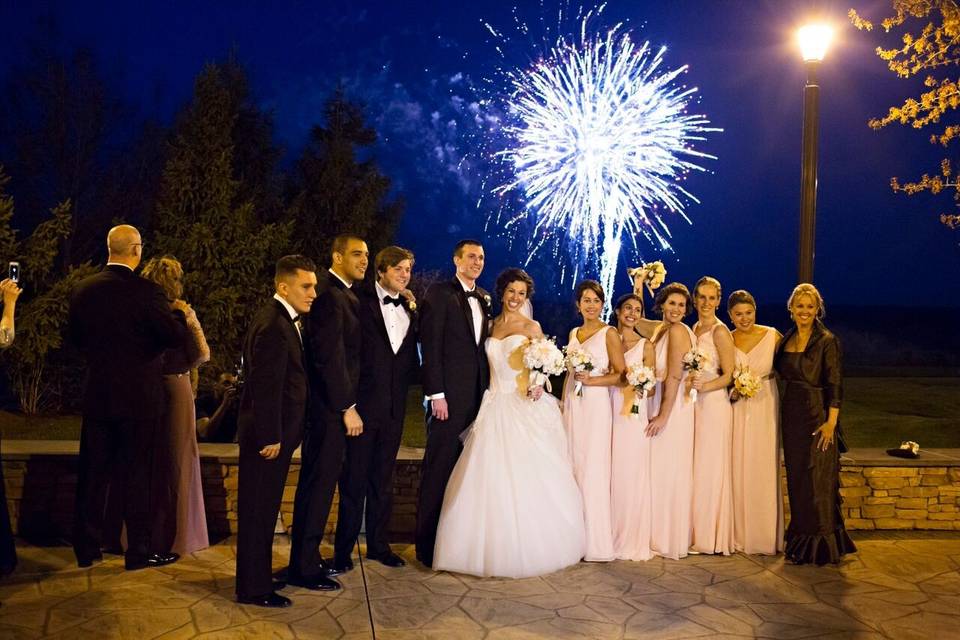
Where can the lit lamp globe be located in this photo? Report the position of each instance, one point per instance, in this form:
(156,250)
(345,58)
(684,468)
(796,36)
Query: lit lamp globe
(814,40)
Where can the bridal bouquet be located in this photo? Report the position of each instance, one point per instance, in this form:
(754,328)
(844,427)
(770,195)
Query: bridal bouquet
(544,359)
(643,380)
(650,274)
(694,361)
(579,360)
(746,384)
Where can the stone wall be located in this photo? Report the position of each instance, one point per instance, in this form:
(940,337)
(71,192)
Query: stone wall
(879,492)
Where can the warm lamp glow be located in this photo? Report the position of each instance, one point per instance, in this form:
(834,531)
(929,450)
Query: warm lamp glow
(814,40)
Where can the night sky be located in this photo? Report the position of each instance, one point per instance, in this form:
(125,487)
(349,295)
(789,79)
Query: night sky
(418,65)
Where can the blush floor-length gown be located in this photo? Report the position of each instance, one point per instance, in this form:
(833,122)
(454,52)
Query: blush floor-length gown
(757,499)
(712,459)
(588,419)
(630,474)
(671,467)
(512,507)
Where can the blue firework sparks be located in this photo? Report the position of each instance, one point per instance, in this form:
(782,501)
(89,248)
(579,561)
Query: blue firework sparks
(599,141)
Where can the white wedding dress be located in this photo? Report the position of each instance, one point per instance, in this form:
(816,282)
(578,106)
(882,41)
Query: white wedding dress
(512,507)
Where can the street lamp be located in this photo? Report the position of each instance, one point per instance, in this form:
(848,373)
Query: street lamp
(814,40)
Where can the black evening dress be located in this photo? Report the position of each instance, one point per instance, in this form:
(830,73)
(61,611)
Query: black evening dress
(811,383)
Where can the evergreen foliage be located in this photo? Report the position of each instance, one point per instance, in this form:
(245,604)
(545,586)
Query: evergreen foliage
(338,189)
(226,250)
(42,310)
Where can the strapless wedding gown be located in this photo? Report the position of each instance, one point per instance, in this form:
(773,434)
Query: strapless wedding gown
(512,507)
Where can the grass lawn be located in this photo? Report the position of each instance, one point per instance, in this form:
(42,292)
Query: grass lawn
(877,412)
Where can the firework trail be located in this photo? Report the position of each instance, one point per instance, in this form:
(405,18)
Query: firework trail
(598,140)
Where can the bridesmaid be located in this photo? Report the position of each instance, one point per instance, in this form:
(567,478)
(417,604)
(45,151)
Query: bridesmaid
(180,522)
(713,430)
(809,364)
(588,418)
(757,501)
(630,477)
(671,429)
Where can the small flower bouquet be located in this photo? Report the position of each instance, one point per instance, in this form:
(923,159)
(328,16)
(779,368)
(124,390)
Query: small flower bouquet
(579,360)
(643,380)
(746,384)
(649,274)
(544,359)
(693,362)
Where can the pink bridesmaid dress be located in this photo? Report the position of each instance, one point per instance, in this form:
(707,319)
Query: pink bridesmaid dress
(671,468)
(757,499)
(712,459)
(588,420)
(630,477)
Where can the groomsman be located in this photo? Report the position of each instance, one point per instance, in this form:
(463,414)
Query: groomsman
(121,323)
(333,351)
(388,364)
(270,423)
(453,328)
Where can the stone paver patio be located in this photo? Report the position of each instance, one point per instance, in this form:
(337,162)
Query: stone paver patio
(899,586)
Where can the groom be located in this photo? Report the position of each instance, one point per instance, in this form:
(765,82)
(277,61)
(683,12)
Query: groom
(453,328)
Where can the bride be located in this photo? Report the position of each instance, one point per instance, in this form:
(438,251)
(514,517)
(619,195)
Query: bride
(512,507)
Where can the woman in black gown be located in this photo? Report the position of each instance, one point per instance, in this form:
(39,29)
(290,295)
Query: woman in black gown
(809,365)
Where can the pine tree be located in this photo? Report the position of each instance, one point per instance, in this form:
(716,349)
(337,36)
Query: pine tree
(932,52)
(336,190)
(226,250)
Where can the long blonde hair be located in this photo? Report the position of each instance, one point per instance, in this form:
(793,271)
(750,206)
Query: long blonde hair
(167,272)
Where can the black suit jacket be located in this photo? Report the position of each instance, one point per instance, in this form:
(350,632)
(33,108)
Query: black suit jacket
(385,376)
(273,402)
(821,363)
(122,324)
(333,349)
(453,362)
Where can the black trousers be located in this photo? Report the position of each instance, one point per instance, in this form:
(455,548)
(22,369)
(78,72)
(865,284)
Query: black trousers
(260,493)
(121,450)
(443,450)
(367,477)
(324,445)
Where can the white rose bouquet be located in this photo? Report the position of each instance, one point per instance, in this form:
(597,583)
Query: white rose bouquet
(643,380)
(746,384)
(579,360)
(649,274)
(544,359)
(693,362)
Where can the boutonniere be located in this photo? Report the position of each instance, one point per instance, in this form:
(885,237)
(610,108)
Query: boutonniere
(411,306)
(487,300)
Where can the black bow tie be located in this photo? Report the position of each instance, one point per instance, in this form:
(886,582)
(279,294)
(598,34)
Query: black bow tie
(475,294)
(391,300)
(295,319)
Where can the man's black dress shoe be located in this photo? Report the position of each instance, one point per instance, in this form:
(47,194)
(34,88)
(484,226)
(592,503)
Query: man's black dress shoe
(327,569)
(314,583)
(342,565)
(389,559)
(87,561)
(154,560)
(272,600)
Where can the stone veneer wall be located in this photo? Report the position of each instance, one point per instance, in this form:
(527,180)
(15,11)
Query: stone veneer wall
(878,492)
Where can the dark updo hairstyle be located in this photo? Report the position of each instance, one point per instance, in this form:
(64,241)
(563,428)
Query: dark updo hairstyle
(673,288)
(513,274)
(623,299)
(588,285)
(740,296)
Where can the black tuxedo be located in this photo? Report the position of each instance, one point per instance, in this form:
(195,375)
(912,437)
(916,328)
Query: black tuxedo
(455,364)
(272,409)
(122,324)
(385,377)
(333,355)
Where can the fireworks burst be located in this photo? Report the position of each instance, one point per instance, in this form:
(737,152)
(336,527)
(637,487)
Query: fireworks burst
(598,143)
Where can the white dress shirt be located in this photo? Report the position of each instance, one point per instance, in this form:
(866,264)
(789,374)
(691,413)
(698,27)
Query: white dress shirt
(337,276)
(293,314)
(395,318)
